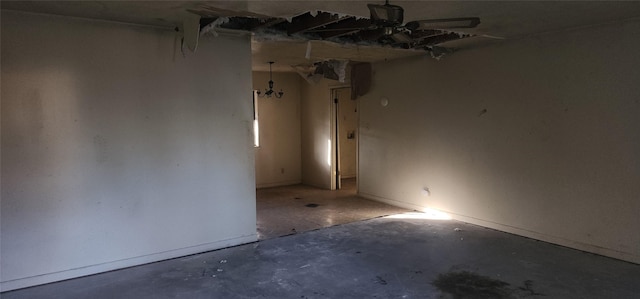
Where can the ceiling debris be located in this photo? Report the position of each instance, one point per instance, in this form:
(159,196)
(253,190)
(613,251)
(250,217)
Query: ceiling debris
(191,32)
(384,28)
(211,27)
(501,20)
(333,69)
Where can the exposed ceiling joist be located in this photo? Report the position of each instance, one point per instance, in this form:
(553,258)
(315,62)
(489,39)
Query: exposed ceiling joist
(402,38)
(442,38)
(500,20)
(343,27)
(248,24)
(307,21)
(268,23)
(424,34)
(369,35)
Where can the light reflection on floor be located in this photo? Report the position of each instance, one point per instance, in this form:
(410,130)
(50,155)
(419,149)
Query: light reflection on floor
(288,210)
(430,214)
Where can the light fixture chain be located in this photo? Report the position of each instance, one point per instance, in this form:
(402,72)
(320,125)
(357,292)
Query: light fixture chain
(270,92)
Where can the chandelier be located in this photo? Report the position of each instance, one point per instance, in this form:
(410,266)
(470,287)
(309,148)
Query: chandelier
(270,92)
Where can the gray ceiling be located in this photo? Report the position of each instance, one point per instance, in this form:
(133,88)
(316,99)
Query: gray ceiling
(500,21)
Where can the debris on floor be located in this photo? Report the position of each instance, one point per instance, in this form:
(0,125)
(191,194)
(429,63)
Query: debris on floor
(470,285)
(528,289)
(466,284)
(377,258)
(281,208)
(380,280)
(312,205)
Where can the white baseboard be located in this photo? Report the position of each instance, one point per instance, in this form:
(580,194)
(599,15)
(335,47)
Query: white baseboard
(625,256)
(119,264)
(392,202)
(278,184)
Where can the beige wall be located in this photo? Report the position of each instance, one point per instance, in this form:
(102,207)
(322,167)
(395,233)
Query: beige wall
(294,131)
(538,137)
(316,132)
(278,159)
(347,123)
(118,151)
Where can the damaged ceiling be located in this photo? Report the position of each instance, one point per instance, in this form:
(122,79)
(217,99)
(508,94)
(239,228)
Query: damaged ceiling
(320,36)
(376,31)
(300,32)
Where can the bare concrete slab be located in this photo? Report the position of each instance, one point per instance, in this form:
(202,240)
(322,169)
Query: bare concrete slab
(377,258)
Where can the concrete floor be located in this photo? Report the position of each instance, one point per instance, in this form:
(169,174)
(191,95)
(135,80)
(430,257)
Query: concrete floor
(294,209)
(378,258)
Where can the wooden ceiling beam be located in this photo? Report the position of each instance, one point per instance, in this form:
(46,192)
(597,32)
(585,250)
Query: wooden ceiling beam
(438,39)
(269,23)
(343,27)
(420,34)
(369,35)
(306,22)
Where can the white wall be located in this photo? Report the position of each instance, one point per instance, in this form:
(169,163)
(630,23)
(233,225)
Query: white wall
(278,161)
(117,151)
(538,137)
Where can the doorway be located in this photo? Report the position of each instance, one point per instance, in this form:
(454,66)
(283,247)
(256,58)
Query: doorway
(291,209)
(345,136)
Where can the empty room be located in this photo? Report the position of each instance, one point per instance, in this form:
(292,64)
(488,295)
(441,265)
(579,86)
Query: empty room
(319,149)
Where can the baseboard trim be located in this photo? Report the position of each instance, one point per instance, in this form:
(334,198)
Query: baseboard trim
(625,256)
(392,202)
(277,184)
(124,263)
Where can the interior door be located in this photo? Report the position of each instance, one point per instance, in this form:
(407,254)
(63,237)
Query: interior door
(346,123)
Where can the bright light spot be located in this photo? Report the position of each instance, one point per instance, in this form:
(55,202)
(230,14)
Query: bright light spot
(329,152)
(430,214)
(256,133)
(256,126)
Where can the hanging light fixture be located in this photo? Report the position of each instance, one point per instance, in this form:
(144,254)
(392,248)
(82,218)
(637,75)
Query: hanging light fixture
(270,92)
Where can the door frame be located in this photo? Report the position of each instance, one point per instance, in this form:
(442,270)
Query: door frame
(335,140)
